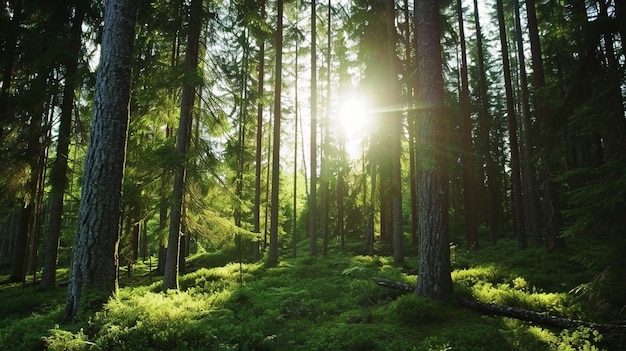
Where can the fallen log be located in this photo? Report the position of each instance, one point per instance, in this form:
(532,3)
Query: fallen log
(513,312)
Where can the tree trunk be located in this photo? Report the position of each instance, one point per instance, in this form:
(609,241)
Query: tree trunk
(493,220)
(20,250)
(529,173)
(518,207)
(396,124)
(369,229)
(467,153)
(95,263)
(434,250)
(58,174)
(294,236)
(273,251)
(9,60)
(551,194)
(325,158)
(170,277)
(313,191)
(259,134)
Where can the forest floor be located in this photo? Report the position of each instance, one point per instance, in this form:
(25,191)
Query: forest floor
(327,303)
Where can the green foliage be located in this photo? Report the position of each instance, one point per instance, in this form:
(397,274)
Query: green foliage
(28,332)
(306,303)
(580,339)
(603,193)
(417,310)
(62,340)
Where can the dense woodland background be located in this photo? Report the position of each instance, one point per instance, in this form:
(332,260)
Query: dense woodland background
(289,129)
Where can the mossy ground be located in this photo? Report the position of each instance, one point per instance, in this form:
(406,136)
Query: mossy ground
(318,303)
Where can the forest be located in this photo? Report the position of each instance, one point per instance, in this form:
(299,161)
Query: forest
(312,175)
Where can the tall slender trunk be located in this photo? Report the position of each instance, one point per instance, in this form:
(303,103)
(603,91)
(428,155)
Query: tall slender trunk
(241,135)
(614,129)
(313,195)
(493,221)
(529,173)
(518,207)
(369,229)
(396,124)
(10,55)
(58,174)
(294,234)
(256,211)
(467,154)
(413,133)
(170,278)
(273,251)
(551,194)
(324,167)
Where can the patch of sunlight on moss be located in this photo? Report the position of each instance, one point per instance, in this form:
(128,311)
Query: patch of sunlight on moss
(504,294)
(410,279)
(361,259)
(489,273)
(155,308)
(371,261)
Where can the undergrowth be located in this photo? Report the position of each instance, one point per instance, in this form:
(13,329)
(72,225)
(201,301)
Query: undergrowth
(315,303)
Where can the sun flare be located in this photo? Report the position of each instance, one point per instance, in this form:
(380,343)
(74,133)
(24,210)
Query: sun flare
(354,119)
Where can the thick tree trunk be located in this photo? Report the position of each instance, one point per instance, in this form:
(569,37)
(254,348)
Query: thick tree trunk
(95,262)
(170,277)
(434,250)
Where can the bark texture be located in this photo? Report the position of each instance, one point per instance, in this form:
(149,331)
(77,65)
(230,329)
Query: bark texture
(434,250)
(95,261)
(58,175)
(170,277)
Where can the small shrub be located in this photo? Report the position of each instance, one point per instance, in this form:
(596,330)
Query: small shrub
(63,340)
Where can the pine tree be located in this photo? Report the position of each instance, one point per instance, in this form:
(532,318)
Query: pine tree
(95,261)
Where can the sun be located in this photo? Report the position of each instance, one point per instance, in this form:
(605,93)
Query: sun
(354,117)
(354,122)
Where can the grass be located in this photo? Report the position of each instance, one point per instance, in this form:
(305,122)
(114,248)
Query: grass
(316,303)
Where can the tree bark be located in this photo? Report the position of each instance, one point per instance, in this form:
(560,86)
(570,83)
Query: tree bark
(529,172)
(467,153)
(493,221)
(58,174)
(551,193)
(273,251)
(516,180)
(95,262)
(313,191)
(434,250)
(396,127)
(170,277)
